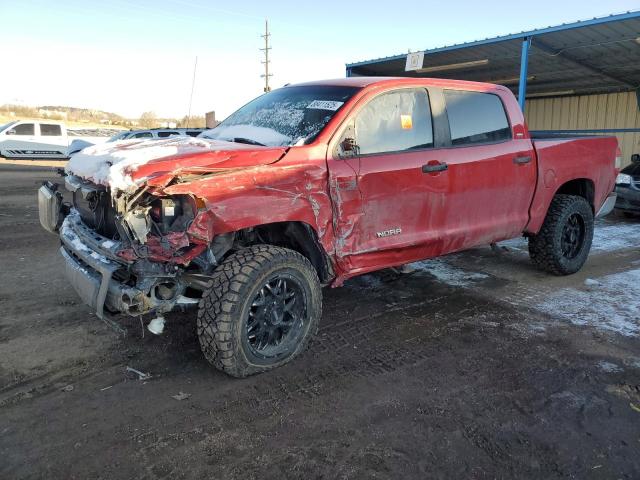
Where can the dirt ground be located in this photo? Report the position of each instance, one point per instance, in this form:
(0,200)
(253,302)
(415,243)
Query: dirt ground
(472,366)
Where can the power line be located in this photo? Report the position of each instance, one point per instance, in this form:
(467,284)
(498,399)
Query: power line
(266,49)
(193,84)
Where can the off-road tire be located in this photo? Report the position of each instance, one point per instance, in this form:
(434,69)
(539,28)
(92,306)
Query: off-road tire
(545,248)
(225,304)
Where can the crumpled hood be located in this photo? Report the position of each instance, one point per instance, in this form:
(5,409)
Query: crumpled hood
(123,165)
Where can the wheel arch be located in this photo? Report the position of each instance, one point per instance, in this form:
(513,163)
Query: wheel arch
(581,187)
(295,235)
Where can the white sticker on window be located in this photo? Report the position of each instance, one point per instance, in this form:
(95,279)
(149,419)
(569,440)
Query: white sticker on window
(325,105)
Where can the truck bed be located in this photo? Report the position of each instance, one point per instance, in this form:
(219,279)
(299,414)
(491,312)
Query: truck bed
(562,158)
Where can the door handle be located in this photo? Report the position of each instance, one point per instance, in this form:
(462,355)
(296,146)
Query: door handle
(435,167)
(521,160)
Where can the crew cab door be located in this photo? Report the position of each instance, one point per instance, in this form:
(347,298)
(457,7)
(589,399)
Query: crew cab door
(52,141)
(416,175)
(491,171)
(380,194)
(18,139)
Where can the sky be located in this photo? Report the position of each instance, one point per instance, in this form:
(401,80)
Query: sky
(131,57)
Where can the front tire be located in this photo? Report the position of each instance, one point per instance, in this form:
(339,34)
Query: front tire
(563,243)
(260,310)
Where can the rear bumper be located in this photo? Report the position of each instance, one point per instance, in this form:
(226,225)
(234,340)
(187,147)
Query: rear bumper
(607,206)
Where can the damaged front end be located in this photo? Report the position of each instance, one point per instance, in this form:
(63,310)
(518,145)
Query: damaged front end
(133,252)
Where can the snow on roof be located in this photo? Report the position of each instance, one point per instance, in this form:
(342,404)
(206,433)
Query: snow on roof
(111,164)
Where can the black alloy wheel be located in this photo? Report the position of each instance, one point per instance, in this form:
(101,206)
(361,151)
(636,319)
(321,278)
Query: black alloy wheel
(276,317)
(572,236)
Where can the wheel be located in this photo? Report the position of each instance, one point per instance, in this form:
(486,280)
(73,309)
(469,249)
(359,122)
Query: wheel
(259,311)
(562,245)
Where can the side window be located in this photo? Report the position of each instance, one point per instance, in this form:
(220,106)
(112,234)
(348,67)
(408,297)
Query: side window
(476,117)
(393,122)
(142,135)
(50,130)
(24,129)
(167,134)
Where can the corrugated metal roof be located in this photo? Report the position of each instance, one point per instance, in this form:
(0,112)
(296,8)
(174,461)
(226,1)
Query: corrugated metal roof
(597,55)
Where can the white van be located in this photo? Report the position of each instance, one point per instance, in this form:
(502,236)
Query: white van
(38,139)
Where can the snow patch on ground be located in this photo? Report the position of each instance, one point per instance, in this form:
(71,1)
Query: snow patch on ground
(607,237)
(614,305)
(111,164)
(608,367)
(610,237)
(447,273)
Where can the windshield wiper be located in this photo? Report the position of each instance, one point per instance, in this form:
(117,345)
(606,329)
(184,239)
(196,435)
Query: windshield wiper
(247,140)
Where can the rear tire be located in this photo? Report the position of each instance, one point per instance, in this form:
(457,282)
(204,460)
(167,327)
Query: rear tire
(563,243)
(259,311)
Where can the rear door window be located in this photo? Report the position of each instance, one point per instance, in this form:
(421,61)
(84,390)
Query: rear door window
(395,121)
(167,134)
(25,129)
(476,118)
(50,130)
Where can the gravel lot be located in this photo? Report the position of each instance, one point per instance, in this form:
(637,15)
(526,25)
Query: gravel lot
(471,366)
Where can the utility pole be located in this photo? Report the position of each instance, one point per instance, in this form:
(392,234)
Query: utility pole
(266,49)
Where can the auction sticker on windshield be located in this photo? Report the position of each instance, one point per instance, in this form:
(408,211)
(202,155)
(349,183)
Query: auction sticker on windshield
(325,105)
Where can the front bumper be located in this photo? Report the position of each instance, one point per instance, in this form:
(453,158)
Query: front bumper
(628,199)
(105,281)
(90,265)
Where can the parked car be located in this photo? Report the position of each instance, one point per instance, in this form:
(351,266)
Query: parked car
(79,144)
(628,188)
(310,185)
(40,139)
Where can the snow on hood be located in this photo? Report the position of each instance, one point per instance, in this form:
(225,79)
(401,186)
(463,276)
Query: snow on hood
(263,135)
(111,164)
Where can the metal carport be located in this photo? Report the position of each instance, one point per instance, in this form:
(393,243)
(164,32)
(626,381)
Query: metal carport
(593,57)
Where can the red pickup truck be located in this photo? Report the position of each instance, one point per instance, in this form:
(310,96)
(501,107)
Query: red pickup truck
(312,184)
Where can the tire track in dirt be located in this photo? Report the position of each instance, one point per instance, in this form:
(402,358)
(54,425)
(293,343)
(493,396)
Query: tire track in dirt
(344,351)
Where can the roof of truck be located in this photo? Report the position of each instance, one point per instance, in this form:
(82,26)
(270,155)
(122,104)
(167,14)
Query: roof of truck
(382,81)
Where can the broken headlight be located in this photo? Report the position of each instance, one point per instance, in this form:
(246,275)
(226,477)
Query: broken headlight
(173,214)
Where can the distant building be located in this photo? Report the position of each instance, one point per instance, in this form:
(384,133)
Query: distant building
(210,119)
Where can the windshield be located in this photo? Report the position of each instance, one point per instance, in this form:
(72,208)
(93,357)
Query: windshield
(6,125)
(287,116)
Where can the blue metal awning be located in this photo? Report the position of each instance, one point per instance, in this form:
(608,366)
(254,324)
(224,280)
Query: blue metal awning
(590,56)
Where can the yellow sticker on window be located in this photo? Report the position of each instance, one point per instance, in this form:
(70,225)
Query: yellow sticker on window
(406,122)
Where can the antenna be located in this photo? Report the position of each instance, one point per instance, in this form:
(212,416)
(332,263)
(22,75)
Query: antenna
(266,49)
(193,84)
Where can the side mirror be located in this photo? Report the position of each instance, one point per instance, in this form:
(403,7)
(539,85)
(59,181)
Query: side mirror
(635,157)
(349,147)
(10,132)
